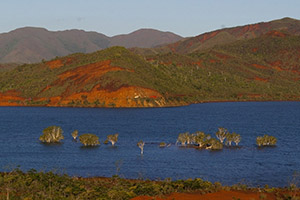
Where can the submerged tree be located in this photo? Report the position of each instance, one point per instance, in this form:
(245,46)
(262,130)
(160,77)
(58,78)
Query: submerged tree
(141,145)
(52,134)
(233,137)
(259,141)
(75,134)
(184,138)
(236,138)
(229,139)
(214,144)
(221,134)
(181,139)
(189,138)
(266,140)
(200,138)
(113,138)
(89,139)
(162,144)
(272,140)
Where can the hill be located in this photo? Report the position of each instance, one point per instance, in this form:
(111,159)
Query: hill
(30,45)
(144,38)
(229,35)
(265,67)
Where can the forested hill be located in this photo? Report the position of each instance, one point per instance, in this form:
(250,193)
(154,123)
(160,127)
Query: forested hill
(230,35)
(266,67)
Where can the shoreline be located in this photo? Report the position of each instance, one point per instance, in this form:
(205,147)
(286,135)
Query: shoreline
(8,104)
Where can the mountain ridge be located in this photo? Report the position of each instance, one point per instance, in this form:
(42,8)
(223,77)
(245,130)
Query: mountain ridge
(227,35)
(32,44)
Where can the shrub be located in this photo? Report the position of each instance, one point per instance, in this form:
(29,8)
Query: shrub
(162,144)
(113,138)
(266,140)
(75,134)
(214,144)
(200,138)
(89,139)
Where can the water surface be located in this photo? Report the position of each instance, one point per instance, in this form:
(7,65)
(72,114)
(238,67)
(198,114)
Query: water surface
(21,127)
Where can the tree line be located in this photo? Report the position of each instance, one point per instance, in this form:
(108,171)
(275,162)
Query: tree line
(54,134)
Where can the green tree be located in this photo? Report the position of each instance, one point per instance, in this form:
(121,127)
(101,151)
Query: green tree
(141,145)
(272,140)
(201,138)
(89,139)
(236,138)
(229,139)
(214,144)
(184,138)
(189,138)
(233,137)
(266,140)
(75,134)
(259,141)
(221,134)
(52,134)
(113,138)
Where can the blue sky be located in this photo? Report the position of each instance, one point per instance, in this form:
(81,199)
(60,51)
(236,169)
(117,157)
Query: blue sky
(112,17)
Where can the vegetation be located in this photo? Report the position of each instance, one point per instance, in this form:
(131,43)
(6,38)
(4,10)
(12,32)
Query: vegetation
(261,68)
(162,144)
(141,145)
(266,140)
(113,138)
(202,140)
(214,144)
(75,134)
(232,137)
(185,138)
(198,139)
(49,185)
(52,134)
(221,134)
(89,139)
(236,138)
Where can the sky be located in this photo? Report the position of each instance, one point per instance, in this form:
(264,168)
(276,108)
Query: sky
(113,17)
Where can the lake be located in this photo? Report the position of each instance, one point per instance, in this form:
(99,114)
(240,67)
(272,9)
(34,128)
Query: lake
(22,126)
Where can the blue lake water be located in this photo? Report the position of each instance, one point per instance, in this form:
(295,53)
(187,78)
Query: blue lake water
(20,128)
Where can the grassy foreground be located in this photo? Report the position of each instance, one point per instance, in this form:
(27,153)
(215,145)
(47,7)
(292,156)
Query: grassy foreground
(49,185)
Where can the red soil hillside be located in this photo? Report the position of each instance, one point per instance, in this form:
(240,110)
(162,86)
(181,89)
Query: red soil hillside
(77,79)
(229,35)
(80,85)
(55,64)
(10,98)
